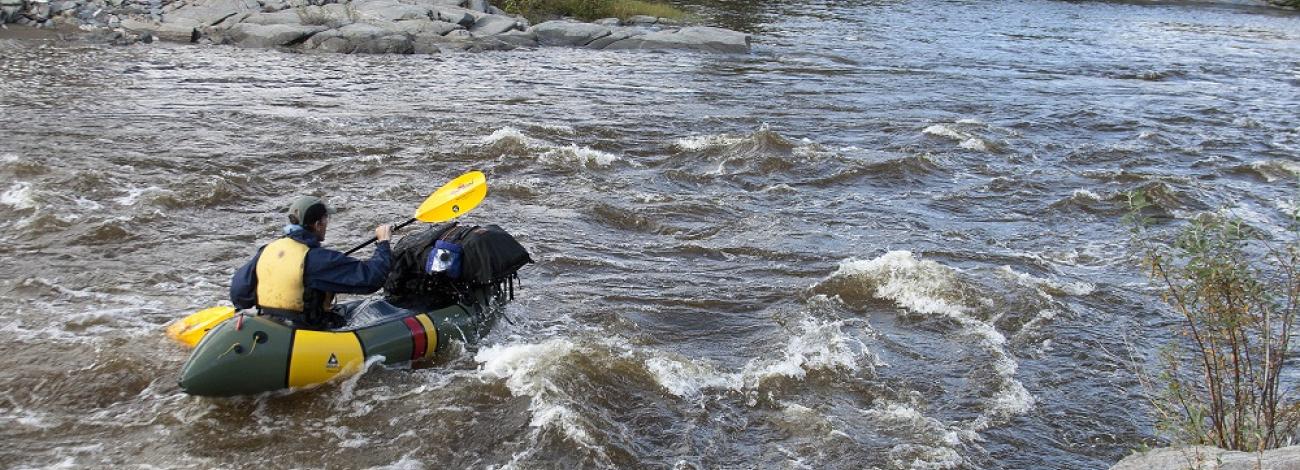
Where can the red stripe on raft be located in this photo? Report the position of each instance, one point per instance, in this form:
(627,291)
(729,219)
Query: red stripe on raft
(417,336)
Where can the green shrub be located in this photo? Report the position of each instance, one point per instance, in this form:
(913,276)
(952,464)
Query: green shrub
(588,10)
(1236,290)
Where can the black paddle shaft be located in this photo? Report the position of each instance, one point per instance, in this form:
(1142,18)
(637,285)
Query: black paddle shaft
(373,239)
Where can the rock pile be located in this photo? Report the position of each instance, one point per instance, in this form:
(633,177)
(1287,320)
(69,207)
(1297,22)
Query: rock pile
(1211,458)
(362,26)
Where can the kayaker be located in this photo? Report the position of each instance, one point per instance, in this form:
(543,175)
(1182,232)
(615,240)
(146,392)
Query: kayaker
(297,281)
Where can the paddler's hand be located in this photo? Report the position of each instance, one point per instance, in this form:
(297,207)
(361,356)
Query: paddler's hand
(384,232)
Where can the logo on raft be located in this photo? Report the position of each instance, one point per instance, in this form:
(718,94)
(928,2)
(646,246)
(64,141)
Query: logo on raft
(332,364)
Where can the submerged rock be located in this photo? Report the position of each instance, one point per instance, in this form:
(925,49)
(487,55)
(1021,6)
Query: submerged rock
(701,38)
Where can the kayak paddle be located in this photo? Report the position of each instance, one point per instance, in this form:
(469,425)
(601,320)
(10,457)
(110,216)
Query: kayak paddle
(452,200)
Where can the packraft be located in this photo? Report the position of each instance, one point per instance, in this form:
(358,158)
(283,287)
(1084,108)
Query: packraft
(448,283)
(253,354)
(440,265)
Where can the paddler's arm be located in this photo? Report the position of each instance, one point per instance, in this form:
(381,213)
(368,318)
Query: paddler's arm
(332,271)
(243,285)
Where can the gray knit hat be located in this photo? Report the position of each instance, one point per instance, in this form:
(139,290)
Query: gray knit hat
(306,210)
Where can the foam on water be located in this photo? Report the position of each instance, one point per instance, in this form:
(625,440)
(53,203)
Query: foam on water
(133,195)
(929,288)
(527,369)
(348,386)
(921,457)
(815,345)
(1274,170)
(19,196)
(579,156)
(510,133)
(929,443)
(975,143)
(1048,287)
(1289,208)
(28,418)
(687,379)
(407,462)
(1085,195)
(941,130)
(697,143)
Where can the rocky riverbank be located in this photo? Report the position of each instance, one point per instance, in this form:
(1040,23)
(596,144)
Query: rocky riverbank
(359,26)
(1211,458)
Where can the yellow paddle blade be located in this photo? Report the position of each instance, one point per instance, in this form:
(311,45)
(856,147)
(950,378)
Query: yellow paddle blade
(454,198)
(189,330)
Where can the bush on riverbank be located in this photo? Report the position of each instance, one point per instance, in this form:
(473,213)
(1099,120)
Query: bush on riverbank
(1237,290)
(590,10)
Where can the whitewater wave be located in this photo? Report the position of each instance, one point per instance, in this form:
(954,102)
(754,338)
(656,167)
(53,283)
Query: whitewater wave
(19,196)
(763,154)
(992,308)
(930,289)
(527,370)
(1164,199)
(698,143)
(510,135)
(544,372)
(970,134)
(814,346)
(1271,171)
(511,141)
(133,195)
(580,156)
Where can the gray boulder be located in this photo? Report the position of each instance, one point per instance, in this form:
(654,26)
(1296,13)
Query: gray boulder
(422,27)
(210,12)
(180,32)
(184,24)
(478,5)
(291,17)
(491,25)
(516,39)
(566,33)
(60,7)
(427,44)
(616,36)
(642,20)
(269,35)
(360,38)
(700,38)
(1210,458)
(335,15)
(382,11)
(611,22)
(456,15)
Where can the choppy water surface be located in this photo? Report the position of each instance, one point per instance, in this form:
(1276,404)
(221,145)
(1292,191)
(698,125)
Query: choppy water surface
(887,238)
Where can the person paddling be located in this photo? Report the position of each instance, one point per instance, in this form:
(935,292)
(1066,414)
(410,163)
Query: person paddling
(294,279)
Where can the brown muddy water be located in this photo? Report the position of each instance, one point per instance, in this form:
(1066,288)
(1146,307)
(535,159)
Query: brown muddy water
(887,238)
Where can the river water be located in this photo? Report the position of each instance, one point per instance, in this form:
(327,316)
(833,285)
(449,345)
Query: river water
(889,237)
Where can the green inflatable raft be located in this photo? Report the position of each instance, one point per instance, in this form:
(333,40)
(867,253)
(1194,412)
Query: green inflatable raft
(252,354)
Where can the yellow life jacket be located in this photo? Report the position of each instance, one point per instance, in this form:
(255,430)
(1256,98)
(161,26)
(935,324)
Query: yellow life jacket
(280,275)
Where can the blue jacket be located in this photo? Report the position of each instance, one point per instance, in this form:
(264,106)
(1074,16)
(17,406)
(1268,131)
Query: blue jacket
(325,270)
